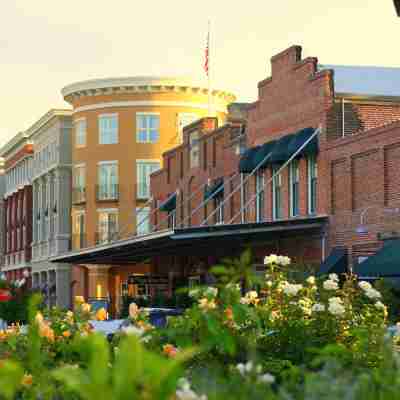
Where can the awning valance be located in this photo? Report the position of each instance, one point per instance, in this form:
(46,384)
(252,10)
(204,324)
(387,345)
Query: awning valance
(215,189)
(385,262)
(280,152)
(299,139)
(246,163)
(335,263)
(169,205)
(261,154)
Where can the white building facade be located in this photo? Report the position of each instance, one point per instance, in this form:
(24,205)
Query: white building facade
(51,200)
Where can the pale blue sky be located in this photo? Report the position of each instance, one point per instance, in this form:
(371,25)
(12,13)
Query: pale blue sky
(47,44)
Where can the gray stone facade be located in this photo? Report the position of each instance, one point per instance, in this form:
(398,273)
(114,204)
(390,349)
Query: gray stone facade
(51,192)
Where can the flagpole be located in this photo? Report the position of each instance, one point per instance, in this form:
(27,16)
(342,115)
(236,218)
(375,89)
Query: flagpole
(208,73)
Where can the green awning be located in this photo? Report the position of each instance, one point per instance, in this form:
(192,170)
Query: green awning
(262,153)
(170,204)
(246,163)
(215,189)
(335,263)
(280,152)
(385,262)
(300,138)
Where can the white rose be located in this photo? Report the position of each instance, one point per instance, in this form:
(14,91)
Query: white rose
(364,285)
(292,289)
(266,378)
(133,330)
(193,292)
(335,300)
(317,307)
(311,280)
(379,305)
(372,294)
(330,285)
(336,309)
(211,291)
(252,294)
(271,259)
(333,277)
(269,283)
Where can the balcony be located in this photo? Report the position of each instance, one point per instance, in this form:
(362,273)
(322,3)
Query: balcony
(78,195)
(79,241)
(107,192)
(106,237)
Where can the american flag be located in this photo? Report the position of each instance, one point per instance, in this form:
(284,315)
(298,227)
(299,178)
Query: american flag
(206,53)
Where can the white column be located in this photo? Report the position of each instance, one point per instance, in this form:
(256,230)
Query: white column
(63,196)
(34,212)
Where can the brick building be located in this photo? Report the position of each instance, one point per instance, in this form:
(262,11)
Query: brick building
(309,170)
(17,204)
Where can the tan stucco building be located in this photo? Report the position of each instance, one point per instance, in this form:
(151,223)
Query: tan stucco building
(122,126)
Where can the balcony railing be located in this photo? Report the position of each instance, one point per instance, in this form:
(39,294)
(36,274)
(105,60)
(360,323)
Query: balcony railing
(106,237)
(78,195)
(79,241)
(107,192)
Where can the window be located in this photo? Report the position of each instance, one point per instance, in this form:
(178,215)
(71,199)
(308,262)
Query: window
(143,171)
(108,180)
(107,226)
(294,188)
(142,220)
(312,184)
(205,155)
(108,129)
(79,186)
(147,127)
(80,132)
(78,230)
(277,194)
(218,204)
(260,196)
(194,149)
(185,119)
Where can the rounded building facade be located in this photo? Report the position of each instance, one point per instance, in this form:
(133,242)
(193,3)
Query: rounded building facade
(122,126)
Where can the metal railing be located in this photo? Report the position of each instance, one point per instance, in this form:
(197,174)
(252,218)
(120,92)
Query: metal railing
(108,192)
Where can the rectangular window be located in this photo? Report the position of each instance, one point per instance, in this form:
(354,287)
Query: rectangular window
(147,127)
(194,149)
(277,194)
(260,196)
(80,132)
(79,187)
(107,180)
(143,171)
(219,206)
(107,226)
(79,230)
(108,129)
(142,220)
(294,188)
(185,119)
(312,184)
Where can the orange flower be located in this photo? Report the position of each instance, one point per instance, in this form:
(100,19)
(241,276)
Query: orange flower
(86,307)
(101,314)
(46,331)
(3,335)
(66,334)
(79,300)
(229,313)
(170,350)
(27,380)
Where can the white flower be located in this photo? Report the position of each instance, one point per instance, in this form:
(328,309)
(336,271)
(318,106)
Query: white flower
(271,259)
(311,280)
(26,273)
(269,283)
(317,307)
(186,393)
(372,294)
(252,294)
(335,300)
(380,306)
(193,292)
(211,291)
(266,378)
(241,368)
(364,285)
(333,277)
(133,330)
(291,289)
(336,309)
(133,310)
(330,284)
(283,261)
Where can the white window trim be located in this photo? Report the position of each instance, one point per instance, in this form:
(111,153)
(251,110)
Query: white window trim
(274,172)
(291,181)
(144,113)
(147,218)
(148,160)
(145,161)
(107,162)
(310,212)
(107,210)
(107,115)
(76,122)
(260,176)
(147,113)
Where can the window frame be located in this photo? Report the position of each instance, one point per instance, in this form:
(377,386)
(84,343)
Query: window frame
(141,195)
(312,158)
(294,188)
(276,212)
(111,192)
(80,134)
(102,134)
(260,195)
(145,227)
(107,233)
(147,129)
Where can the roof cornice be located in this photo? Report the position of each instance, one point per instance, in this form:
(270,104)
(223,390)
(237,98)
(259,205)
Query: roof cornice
(45,119)
(139,84)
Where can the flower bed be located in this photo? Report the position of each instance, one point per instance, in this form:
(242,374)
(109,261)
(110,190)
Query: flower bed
(285,340)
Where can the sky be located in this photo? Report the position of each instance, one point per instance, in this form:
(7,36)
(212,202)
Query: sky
(48,44)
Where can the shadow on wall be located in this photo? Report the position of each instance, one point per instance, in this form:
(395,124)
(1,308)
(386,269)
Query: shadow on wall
(352,121)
